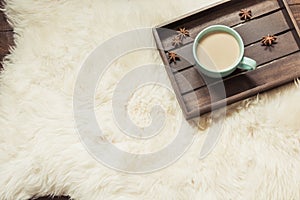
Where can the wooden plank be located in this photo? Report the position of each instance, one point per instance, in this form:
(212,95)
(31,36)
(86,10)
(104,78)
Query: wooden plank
(240,87)
(293,2)
(273,24)
(217,15)
(183,64)
(6,40)
(196,80)
(167,35)
(186,55)
(241,84)
(231,17)
(296,13)
(291,20)
(169,71)
(285,46)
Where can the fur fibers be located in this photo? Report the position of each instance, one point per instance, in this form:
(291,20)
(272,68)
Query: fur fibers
(257,157)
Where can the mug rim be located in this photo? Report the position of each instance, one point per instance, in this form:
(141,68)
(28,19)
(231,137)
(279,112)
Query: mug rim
(214,28)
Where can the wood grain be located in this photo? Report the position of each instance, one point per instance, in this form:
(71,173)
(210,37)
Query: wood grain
(285,46)
(246,85)
(272,24)
(291,2)
(192,91)
(254,30)
(217,15)
(296,13)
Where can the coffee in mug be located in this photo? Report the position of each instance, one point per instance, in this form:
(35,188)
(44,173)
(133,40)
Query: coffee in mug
(218,50)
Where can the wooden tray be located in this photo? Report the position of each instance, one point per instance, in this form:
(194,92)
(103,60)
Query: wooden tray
(277,65)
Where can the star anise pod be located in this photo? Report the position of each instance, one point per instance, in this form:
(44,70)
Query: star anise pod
(176,41)
(245,14)
(268,40)
(183,33)
(173,57)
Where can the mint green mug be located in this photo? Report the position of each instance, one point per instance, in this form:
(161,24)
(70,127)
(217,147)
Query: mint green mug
(241,61)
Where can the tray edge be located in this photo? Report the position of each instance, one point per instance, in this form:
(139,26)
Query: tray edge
(169,70)
(191,13)
(295,24)
(227,101)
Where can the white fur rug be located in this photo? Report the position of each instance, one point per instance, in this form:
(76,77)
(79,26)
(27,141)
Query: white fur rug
(257,157)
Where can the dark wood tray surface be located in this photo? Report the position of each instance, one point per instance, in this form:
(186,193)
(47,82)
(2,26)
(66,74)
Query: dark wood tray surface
(277,65)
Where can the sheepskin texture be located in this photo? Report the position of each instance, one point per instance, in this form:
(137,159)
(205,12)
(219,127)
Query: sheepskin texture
(257,156)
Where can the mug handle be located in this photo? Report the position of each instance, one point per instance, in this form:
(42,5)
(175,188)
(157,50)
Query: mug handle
(247,64)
